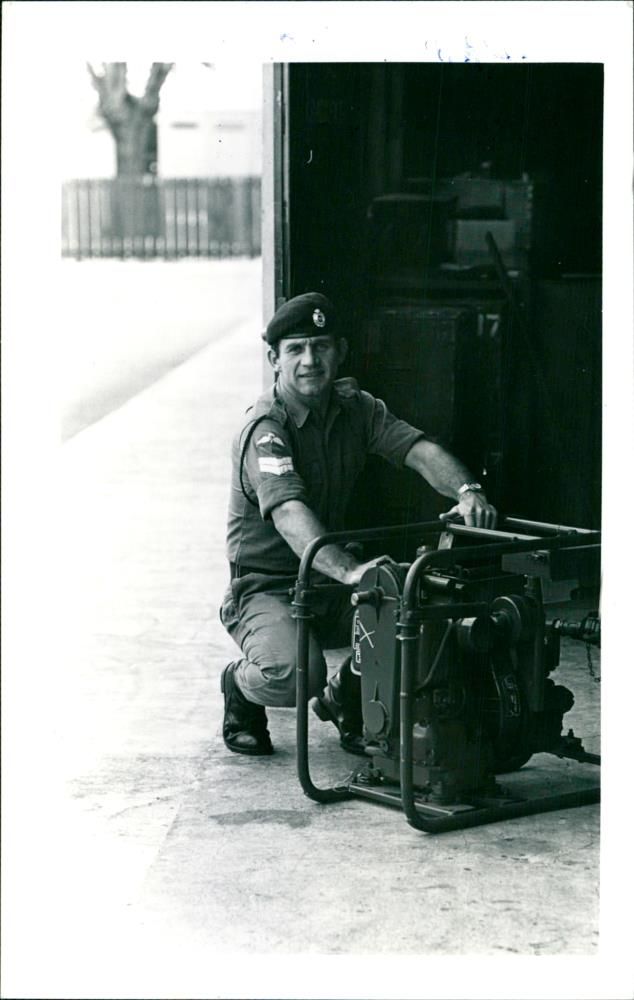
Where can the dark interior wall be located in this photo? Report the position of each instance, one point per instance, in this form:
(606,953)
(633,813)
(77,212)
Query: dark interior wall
(328,110)
(566,442)
(360,130)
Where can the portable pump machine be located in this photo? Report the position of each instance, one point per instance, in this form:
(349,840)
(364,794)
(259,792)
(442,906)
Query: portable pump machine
(455,654)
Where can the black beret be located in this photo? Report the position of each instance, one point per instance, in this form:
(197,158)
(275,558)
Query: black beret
(303,316)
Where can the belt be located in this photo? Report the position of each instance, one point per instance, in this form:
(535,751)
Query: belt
(237,570)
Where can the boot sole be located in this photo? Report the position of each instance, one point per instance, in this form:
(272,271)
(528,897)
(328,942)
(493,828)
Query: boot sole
(255,752)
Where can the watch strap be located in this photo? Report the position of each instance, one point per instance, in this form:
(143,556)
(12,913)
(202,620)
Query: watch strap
(469,488)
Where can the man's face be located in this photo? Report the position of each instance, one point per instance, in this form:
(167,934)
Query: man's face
(307,366)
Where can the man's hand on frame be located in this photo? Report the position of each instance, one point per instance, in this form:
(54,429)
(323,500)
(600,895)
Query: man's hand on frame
(475,509)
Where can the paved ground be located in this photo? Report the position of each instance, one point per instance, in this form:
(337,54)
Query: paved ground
(150,856)
(127,323)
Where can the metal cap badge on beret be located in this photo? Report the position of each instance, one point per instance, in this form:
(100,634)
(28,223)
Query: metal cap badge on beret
(302,316)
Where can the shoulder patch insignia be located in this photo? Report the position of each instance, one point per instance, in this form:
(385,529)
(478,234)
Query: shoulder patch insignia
(269,438)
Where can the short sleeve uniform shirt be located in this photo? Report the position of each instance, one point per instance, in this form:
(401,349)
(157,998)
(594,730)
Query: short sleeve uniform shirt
(295,454)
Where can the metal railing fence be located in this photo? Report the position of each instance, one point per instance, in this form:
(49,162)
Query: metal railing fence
(150,217)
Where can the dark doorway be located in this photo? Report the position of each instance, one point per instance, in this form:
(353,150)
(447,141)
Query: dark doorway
(394,174)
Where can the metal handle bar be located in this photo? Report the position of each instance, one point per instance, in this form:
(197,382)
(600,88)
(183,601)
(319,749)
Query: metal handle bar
(549,529)
(361,535)
(564,535)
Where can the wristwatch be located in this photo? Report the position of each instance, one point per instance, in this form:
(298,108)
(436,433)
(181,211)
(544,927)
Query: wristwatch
(469,488)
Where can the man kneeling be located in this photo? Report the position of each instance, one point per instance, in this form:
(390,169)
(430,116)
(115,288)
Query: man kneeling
(295,463)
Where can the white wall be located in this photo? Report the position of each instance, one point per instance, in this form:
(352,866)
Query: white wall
(86,148)
(209,143)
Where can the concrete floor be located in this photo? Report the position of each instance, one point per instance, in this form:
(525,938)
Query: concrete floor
(164,854)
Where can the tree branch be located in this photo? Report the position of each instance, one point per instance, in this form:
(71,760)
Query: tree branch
(156,79)
(111,85)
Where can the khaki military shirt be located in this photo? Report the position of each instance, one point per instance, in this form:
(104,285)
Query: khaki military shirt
(294,454)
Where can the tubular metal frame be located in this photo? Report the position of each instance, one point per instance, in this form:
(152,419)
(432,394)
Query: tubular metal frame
(412,616)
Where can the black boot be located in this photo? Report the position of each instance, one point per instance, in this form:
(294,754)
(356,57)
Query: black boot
(244,728)
(341,704)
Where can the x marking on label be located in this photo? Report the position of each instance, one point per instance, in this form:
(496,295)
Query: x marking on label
(366,634)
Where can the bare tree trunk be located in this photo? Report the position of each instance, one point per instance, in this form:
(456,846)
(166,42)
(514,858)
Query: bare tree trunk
(129,118)
(134,204)
(135,140)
